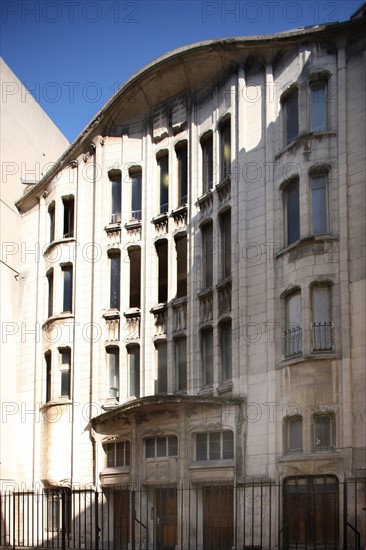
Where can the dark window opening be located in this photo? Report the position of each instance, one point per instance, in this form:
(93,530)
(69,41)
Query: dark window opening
(318,205)
(136,212)
(48,361)
(161,446)
(135,277)
(134,368)
(181,246)
(294,434)
(207,254)
(318,107)
(291,110)
(67,297)
(113,372)
(207,356)
(116,186)
(162,253)
(180,347)
(68,217)
(163,166)
(50,293)
(115,280)
(215,445)
(118,454)
(225,150)
(65,370)
(226,349)
(51,219)
(207,162)
(182,158)
(225,227)
(162,382)
(292,212)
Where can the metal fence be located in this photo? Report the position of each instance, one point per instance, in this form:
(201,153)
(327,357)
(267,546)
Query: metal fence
(309,512)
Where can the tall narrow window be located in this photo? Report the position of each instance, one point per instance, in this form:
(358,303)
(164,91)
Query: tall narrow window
(134,371)
(51,221)
(291,115)
(113,372)
(115,280)
(207,162)
(182,159)
(65,370)
(67,297)
(318,107)
(115,182)
(294,434)
(207,356)
(292,206)
(48,362)
(225,228)
(226,349)
(136,180)
(118,454)
(293,332)
(163,167)
(50,293)
(215,445)
(180,346)
(225,150)
(324,432)
(68,217)
(319,205)
(162,253)
(162,383)
(135,276)
(207,254)
(181,247)
(322,322)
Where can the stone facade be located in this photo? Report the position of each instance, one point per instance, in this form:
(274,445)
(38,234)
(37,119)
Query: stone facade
(199,290)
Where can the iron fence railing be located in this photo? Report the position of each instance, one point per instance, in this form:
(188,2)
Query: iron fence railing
(316,512)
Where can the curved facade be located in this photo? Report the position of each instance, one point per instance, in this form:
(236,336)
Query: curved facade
(199,285)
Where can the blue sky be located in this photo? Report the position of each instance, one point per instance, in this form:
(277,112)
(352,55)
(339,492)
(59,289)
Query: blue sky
(73,54)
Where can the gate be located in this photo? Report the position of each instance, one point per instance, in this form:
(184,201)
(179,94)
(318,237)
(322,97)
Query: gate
(302,513)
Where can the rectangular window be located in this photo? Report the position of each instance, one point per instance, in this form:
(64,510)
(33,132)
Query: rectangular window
(161,446)
(65,370)
(118,454)
(318,107)
(67,296)
(291,112)
(207,255)
(294,434)
(163,167)
(181,247)
(207,162)
(323,337)
(135,276)
(225,150)
(50,293)
(324,432)
(207,356)
(318,205)
(68,217)
(292,201)
(136,212)
(225,228)
(134,368)
(182,158)
(162,252)
(215,446)
(116,203)
(51,219)
(180,346)
(293,332)
(226,350)
(48,361)
(115,280)
(113,372)
(162,384)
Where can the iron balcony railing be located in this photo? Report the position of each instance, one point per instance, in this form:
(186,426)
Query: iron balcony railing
(293,341)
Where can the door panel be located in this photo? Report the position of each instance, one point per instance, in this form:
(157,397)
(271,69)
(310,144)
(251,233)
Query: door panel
(121,501)
(166,518)
(218,518)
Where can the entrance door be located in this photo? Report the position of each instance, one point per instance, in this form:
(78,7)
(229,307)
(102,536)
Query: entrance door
(311,512)
(121,501)
(166,518)
(218,518)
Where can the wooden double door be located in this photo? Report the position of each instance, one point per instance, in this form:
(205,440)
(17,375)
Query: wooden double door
(311,513)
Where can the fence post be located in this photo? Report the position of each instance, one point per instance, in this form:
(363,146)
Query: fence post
(63,519)
(133,514)
(96,520)
(345,515)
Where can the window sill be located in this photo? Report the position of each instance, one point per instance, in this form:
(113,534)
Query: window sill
(225,386)
(113,227)
(110,403)
(205,292)
(225,282)
(160,218)
(179,212)
(132,312)
(111,470)
(221,463)
(300,139)
(52,244)
(55,403)
(312,455)
(206,197)
(206,390)
(226,182)
(305,241)
(58,317)
(301,358)
(133,224)
(159,308)
(111,314)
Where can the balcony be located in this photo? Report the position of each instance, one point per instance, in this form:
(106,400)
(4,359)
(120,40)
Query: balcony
(293,341)
(323,336)
(179,216)
(132,325)
(160,313)
(224,296)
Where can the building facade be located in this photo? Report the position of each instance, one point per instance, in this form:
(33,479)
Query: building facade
(193,316)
